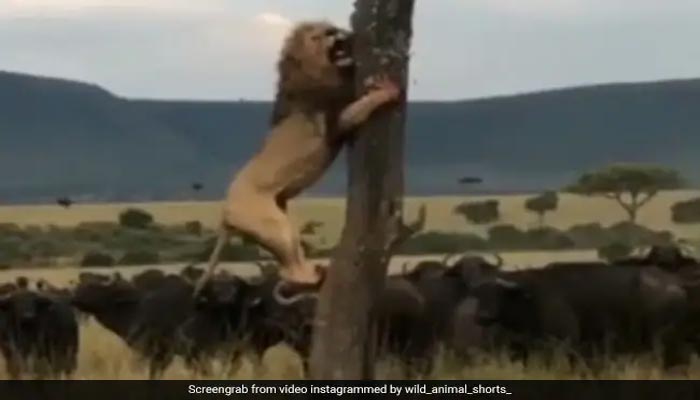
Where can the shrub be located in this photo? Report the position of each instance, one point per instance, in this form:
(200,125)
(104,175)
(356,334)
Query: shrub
(442,242)
(12,250)
(614,251)
(139,258)
(193,228)
(33,230)
(48,247)
(135,218)
(94,231)
(507,237)
(13,230)
(230,252)
(7,228)
(548,239)
(636,235)
(97,259)
(589,236)
(686,212)
(482,212)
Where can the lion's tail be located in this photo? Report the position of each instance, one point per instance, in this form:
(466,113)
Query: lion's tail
(213,260)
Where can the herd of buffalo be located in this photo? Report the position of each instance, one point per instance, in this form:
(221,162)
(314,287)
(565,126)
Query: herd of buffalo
(463,304)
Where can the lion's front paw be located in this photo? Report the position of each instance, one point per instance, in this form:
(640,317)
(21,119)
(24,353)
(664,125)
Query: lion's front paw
(383,86)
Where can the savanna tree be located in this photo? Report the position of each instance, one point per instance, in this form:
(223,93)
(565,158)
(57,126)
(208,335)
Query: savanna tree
(632,186)
(542,204)
(344,344)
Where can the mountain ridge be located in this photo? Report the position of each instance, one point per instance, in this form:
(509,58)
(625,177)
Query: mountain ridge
(62,137)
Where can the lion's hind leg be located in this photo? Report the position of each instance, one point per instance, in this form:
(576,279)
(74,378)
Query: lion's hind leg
(261,218)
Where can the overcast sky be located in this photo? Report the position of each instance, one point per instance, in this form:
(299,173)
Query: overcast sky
(226,49)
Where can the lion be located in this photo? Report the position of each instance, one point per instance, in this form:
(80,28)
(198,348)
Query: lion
(314,114)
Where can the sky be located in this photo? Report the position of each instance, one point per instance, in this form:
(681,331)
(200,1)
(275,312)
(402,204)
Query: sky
(226,49)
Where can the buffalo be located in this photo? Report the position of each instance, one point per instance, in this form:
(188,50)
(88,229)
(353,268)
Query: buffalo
(431,306)
(161,318)
(589,308)
(668,257)
(38,333)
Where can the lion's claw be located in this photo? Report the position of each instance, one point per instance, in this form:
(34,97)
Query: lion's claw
(384,85)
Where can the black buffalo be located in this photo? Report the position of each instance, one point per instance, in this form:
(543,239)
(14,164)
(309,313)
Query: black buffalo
(161,318)
(38,333)
(668,257)
(432,306)
(588,308)
(149,279)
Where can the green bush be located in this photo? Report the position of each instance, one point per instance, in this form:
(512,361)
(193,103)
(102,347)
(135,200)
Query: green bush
(12,250)
(33,230)
(143,240)
(589,236)
(686,212)
(442,242)
(193,228)
(139,258)
(13,230)
(7,228)
(135,218)
(507,237)
(614,251)
(637,235)
(95,231)
(230,252)
(46,247)
(97,259)
(480,212)
(548,239)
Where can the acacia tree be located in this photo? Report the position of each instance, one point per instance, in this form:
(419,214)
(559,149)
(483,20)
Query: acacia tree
(632,186)
(542,204)
(344,333)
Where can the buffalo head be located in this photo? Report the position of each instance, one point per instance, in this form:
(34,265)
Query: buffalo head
(502,301)
(474,268)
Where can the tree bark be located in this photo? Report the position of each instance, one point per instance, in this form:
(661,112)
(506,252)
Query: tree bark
(344,337)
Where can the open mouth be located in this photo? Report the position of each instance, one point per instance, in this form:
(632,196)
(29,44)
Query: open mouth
(340,53)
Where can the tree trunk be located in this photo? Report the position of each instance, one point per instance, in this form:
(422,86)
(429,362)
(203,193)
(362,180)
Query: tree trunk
(344,342)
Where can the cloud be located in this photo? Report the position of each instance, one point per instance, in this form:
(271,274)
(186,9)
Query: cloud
(273,19)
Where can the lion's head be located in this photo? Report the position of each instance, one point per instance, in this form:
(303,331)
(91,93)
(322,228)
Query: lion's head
(316,58)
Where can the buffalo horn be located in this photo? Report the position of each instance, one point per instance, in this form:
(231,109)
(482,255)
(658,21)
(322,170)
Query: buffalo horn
(288,301)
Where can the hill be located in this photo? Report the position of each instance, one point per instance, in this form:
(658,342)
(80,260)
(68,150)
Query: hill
(61,137)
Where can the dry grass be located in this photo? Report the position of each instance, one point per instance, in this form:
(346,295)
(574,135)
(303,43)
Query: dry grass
(104,356)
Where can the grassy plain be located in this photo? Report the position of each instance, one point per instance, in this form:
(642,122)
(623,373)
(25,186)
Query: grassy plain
(104,356)
(572,210)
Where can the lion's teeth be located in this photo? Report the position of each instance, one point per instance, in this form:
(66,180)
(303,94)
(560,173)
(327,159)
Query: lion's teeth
(344,62)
